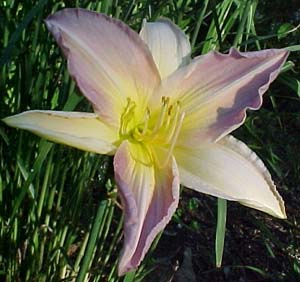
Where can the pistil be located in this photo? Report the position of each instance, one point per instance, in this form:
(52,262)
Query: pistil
(126,117)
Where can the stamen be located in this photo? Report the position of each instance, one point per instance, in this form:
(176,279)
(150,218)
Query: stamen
(146,121)
(174,123)
(170,110)
(161,130)
(159,123)
(174,139)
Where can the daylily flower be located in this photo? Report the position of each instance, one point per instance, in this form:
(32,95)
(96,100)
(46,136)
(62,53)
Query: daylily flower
(165,117)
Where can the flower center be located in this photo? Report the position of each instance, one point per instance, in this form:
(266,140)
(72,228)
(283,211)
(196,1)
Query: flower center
(161,127)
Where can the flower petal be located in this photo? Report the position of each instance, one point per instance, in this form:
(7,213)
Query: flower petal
(169,46)
(230,170)
(150,197)
(80,130)
(215,91)
(108,60)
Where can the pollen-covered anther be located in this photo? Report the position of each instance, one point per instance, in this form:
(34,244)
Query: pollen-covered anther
(162,116)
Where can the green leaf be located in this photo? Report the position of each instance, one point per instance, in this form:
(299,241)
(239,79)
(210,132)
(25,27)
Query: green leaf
(4,136)
(45,147)
(220,232)
(283,30)
(291,82)
(92,241)
(129,277)
(293,48)
(287,66)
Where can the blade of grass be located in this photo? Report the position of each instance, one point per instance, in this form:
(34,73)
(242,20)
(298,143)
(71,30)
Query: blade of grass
(291,82)
(87,259)
(129,277)
(7,52)
(294,48)
(220,231)
(239,34)
(44,150)
(199,23)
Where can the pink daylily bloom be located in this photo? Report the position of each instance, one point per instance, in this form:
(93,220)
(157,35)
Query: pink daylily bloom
(165,117)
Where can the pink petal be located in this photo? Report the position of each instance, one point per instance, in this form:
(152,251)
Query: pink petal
(215,91)
(150,197)
(108,60)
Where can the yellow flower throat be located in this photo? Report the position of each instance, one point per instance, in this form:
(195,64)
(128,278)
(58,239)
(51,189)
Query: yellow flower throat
(160,128)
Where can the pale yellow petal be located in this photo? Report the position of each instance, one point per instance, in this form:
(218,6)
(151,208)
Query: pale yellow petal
(230,170)
(84,131)
(169,46)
